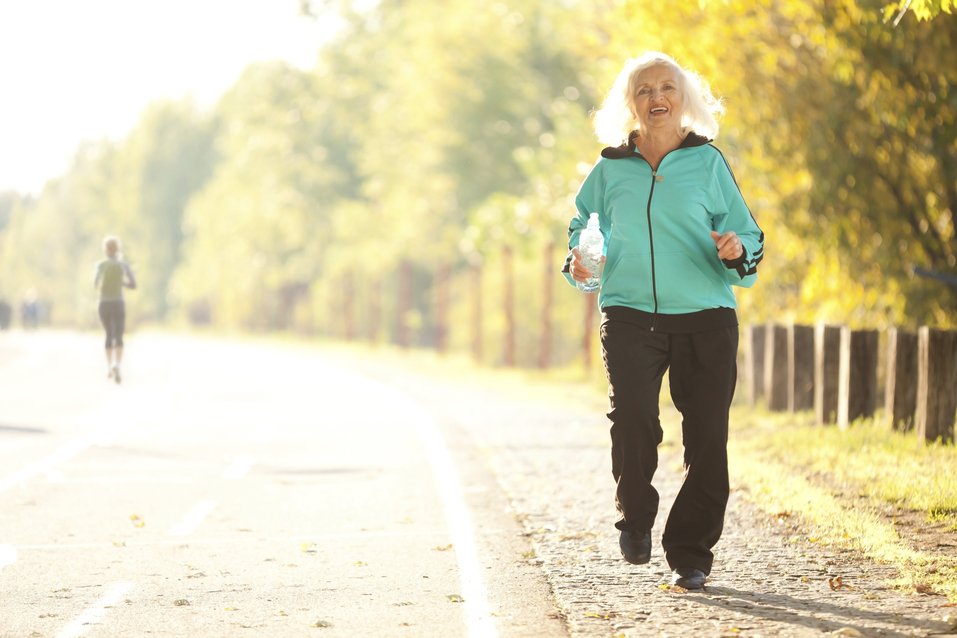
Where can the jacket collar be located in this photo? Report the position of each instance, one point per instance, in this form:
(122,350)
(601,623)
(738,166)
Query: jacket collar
(628,150)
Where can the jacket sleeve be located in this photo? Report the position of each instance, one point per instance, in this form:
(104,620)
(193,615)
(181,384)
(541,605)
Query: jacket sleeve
(590,199)
(732,213)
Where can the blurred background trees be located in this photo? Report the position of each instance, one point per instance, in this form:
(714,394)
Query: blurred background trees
(415,186)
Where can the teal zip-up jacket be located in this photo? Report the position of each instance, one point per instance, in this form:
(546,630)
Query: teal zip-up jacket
(662,268)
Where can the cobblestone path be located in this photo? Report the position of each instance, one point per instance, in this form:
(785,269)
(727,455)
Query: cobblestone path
(555,465)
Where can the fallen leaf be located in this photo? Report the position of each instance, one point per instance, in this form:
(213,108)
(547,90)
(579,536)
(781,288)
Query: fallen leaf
(846,631)
(134,517)
(442,549)
(139,524)
(282,613)
(180,602)
(119,543)
(455,598)
(838,583)
(196,575)
(321,623)
(309,548)
(402,603)
(229,609)
(47,616)
(921,588)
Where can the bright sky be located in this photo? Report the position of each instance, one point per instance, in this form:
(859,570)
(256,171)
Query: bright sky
(72,69)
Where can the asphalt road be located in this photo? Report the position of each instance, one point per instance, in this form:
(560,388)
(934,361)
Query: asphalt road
(231,488)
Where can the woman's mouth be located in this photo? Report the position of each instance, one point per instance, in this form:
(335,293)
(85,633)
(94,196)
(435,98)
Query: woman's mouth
(659,110)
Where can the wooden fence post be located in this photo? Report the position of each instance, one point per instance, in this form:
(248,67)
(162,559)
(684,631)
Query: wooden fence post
(754,363)
(858,376)
(776,367)
(800,368)
(545,349)
(827,372)
(900,388)
(936,384)
(509,306)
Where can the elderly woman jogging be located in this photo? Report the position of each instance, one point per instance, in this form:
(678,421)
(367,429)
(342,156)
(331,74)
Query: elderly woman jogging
(111,276)
(678,236)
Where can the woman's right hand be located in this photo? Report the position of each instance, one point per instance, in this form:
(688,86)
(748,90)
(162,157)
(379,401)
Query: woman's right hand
(577,268)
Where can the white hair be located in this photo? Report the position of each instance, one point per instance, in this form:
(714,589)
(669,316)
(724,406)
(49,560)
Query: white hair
(700,109)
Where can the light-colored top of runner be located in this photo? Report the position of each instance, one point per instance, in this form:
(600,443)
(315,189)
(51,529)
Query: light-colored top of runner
(109,278)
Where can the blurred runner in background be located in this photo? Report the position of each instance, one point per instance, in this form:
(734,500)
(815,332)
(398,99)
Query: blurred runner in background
(112,275)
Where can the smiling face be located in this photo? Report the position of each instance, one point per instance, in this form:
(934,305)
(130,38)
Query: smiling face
(657,101)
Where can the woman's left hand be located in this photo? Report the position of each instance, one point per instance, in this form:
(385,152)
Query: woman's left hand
(729,245)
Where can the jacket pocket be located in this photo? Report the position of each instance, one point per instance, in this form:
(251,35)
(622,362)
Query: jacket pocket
(628,282)
(682,287)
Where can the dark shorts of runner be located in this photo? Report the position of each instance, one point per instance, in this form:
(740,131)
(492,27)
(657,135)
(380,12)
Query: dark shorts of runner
(113,318)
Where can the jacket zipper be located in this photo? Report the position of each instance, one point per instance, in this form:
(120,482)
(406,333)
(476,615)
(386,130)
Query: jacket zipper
(651,241)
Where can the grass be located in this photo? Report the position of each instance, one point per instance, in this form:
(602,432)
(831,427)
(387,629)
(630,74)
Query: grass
(845,486)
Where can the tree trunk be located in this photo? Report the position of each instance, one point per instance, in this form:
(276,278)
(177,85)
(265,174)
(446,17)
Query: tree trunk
(545,348)
(591,301)
(476,277)
(442,308)
(375,310)
(508,355)
(404,307)
(348,305)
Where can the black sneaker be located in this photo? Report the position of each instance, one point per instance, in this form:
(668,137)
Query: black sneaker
(688,577)
(635,547)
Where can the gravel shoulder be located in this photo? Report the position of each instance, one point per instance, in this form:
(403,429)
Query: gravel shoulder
(553,462)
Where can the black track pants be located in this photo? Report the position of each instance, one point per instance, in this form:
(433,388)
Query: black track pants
(702,378)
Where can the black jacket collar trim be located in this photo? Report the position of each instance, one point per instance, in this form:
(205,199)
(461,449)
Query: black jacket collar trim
(628,150)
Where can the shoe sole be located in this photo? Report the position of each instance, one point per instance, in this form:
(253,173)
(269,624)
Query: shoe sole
(636,561)
(687,585)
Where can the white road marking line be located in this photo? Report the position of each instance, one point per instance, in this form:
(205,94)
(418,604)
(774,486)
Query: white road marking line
(240,467)
(193,518)
(95,612)
(8,555)
(68,451)
(273,539)
(479,621)
(130,480)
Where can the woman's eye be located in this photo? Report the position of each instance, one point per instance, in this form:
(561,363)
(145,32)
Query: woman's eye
(642,91)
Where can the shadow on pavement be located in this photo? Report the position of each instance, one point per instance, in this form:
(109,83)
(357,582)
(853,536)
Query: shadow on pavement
(781,608)
(17,429)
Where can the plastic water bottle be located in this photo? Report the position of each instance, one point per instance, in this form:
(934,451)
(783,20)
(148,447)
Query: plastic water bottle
(590,245)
